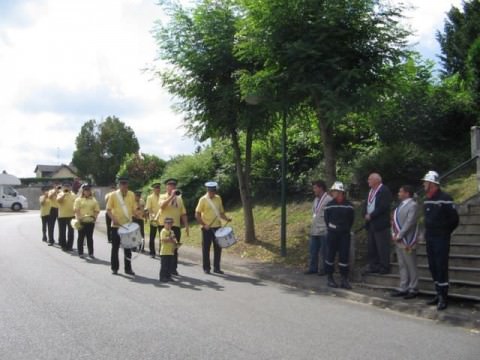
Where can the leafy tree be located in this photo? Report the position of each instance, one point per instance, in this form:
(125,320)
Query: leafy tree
(332,54)
(101,148)
(461,30)
(140,168)
(199,44)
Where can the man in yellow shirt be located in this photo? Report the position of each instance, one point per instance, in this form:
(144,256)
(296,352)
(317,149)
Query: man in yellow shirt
(52,196)
(108,221)
(152,208)
(65,200)
(45,212)
(120,208)
(209,213)
(171,206)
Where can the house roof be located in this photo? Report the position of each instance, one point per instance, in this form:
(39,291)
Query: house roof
(54,168)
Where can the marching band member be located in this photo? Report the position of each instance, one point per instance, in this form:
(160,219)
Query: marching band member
(108,221)
(152,209)
(120,208)
(441,218)
(52,196)
(139,213)
(65,200)
(86,211)
(209,212)
(45,212)
(405,231)
(167,247)
(339,215)
(171,206)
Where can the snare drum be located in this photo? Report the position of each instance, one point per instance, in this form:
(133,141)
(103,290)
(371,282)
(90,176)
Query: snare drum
(225,237)
(130,236)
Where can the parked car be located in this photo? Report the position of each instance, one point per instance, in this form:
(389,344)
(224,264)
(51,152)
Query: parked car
(9,198)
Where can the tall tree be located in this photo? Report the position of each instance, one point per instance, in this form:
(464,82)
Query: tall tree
(141,168)
(101,148)
(332,54)
(460,31)
(199,45)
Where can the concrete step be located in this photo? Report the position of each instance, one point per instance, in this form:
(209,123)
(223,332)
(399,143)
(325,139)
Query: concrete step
(470,219)
(468,229)
(458,288)
(474,209)
(465,238)
(456,248)
(455,272)
(460,260)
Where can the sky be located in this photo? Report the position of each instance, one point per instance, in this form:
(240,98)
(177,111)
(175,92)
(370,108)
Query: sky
(64,62)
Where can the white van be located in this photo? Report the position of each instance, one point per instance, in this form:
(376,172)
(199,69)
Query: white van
(9,198)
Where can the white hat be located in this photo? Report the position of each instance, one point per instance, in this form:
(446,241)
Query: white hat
(211,184)
(432,176)
(338,186)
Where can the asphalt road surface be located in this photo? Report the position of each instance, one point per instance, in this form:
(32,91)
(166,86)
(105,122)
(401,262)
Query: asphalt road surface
(54,305)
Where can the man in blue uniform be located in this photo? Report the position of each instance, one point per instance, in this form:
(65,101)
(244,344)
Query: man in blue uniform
(441,218)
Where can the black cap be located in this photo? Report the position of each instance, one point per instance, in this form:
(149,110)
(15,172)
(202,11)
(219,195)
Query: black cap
(171,181)
(122,179)
(156,185)
(86,186)
(67,184)
(138,192)
(168,220)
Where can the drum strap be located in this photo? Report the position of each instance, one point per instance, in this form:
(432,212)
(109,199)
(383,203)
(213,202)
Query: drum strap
(122,204)
(214,208)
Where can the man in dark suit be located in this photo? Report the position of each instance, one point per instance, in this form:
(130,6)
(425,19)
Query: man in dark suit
(377,218)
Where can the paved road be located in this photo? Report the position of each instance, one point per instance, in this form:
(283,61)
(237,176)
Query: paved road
(55,305)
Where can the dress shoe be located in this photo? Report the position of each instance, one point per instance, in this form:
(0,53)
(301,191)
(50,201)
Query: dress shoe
(384,272)
(163,280)
(433,301)
(410,295)
(218,271)
(442,303)
(206,271)
(175,272)
(345,284)
(130,272)
(50,244)
(114,272)
(397,293)
(331,282)
(171,280)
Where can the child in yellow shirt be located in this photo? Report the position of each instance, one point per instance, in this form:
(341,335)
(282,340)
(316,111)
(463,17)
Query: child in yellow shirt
(168,244)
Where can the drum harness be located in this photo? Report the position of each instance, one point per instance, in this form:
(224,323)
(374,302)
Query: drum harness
(125,212)
(217,215)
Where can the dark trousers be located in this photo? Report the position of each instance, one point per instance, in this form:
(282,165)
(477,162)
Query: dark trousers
(178,234)
(52,220)
(108,221)
(438,249)
(114,256)
(208,237)
(151,243)
(317,246)
(65,233)
(338,242)
(85,231)
(379,243)
(166,267)
(45,226)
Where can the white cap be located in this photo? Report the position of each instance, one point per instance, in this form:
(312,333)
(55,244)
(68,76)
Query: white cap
(338,186)
(211,184)
(432,176)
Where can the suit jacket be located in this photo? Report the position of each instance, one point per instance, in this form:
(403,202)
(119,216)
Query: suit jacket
(407,217)
(380,217)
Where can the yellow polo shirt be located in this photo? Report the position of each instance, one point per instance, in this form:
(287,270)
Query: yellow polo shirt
(45,207)
(114,206)
(208,214)
(174,211)
(86,206)
(152,205)
(139,209)
(166,248)
(65,204)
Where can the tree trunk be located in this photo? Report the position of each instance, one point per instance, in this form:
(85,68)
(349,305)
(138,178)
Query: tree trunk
(243,176)
(326,132)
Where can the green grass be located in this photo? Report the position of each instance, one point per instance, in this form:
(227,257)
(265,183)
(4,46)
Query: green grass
(462,189)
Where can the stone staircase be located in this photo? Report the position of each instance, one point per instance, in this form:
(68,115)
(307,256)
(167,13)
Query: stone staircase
(464,263)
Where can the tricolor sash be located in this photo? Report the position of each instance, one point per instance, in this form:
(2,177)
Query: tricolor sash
(319,204)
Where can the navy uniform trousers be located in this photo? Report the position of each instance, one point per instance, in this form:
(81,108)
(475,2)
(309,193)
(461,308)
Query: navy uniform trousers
(338,241)
(438,248)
